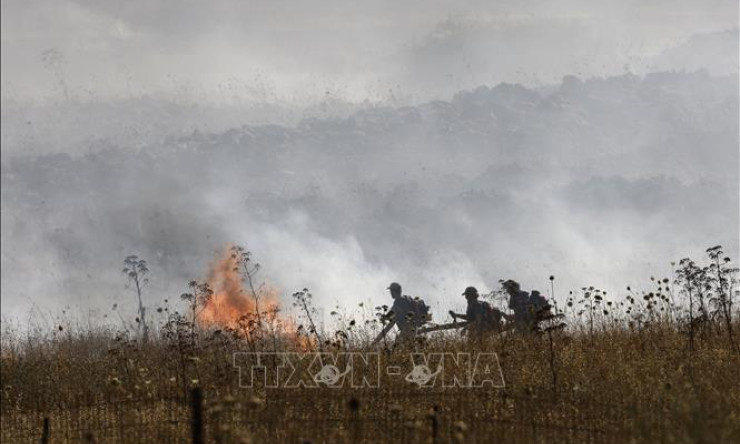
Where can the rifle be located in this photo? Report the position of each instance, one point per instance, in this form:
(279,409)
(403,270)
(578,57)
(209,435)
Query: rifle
(452,326)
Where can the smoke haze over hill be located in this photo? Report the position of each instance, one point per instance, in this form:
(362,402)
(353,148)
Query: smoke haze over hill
(565,161)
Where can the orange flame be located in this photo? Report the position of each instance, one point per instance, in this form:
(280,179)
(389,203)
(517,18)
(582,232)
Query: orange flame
(235,307)
(231,304)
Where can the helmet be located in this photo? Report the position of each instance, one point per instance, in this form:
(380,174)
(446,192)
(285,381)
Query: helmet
(470,291)
(394,287)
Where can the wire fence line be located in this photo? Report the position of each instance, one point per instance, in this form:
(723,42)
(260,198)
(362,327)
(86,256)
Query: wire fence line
(328,416)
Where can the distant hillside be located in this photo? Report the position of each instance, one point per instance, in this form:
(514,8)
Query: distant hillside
(598,180)
(716,52)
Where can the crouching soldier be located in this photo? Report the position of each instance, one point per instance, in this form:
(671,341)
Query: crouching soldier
(481,318)
(519,304)
(528,309)
(408,313)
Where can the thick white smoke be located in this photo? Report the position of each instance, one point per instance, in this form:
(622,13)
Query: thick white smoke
(356,153)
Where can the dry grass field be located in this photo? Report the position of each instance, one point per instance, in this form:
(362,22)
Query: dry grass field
(660,366)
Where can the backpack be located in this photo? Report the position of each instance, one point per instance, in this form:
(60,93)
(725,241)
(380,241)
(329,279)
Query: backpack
(519,301)
(539,305)
(418,311)
(491,317)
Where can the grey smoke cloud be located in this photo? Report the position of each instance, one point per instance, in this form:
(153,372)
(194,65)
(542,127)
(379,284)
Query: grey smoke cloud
(351,146)
(498,183)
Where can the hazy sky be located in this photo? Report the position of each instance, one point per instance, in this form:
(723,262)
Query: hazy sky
(300,50)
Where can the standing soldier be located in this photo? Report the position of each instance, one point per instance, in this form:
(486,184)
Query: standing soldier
(480,316)
(407,313)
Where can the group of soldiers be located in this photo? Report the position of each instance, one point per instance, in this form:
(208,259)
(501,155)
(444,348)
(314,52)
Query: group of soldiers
(411,315)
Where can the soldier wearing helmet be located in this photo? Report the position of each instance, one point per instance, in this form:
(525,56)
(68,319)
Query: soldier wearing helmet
(480,316)
(407,313)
